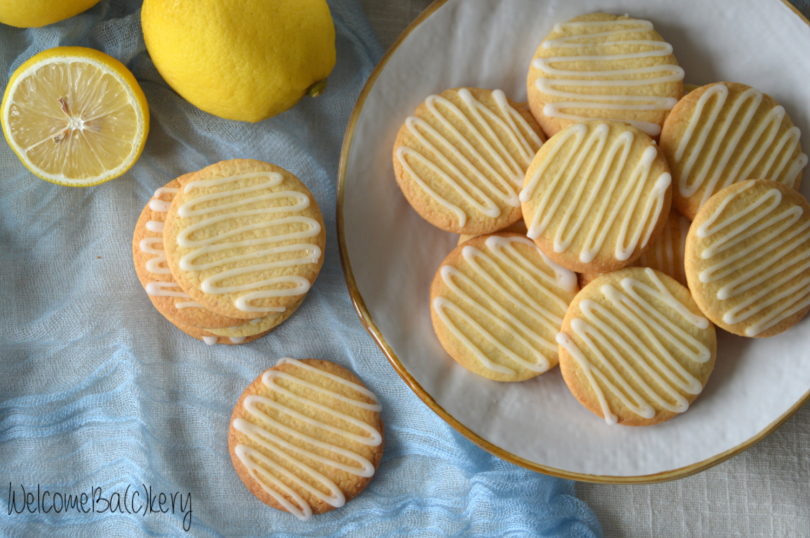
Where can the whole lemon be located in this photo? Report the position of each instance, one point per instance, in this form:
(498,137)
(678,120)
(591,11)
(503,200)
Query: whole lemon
(36,13)
(241,59)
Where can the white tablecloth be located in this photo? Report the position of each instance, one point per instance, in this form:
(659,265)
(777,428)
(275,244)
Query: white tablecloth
(765,491)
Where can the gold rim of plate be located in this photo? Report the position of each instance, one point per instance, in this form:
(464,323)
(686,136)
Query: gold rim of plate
(368,321)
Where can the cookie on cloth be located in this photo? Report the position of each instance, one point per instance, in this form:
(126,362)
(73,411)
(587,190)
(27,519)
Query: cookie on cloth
(460,158)
(726,132)
(497,303)
(748,258)
(213,339)
(665,253)
(244,238)
(634,347)
(258,325)
(595,195)
(603,67)
(153,272)
(306,436)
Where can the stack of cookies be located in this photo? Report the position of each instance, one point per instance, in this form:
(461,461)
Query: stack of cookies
(228,253)
(609,225)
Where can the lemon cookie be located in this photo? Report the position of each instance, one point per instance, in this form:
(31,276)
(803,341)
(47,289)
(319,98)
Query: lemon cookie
(726,132)
(213,339)
(245,238)
(306,436)
(634,348)
(595,195)
(460,158)
(603,67)
(748,258)
(665,253)
(258,325)
(150,265)
(496,304)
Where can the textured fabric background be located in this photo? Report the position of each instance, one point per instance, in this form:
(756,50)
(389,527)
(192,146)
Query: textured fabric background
(97,390)
(765,491)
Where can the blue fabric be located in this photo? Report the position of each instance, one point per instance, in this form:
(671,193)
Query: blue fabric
(98,391)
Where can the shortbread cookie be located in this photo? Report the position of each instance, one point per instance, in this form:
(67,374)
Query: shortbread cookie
(306,436)
(244,238)
(248,331)
(518,228)
(213,339)
(665,253)
(258,325)
(153,272)
(496,304)
(595,195)
(460,159)
(748,258)
(634,348)
(726,132)
(603,67)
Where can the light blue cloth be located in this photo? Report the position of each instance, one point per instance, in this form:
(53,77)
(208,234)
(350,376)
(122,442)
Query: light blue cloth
(97,390)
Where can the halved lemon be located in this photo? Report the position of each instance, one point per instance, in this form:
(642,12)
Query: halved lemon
(75,116)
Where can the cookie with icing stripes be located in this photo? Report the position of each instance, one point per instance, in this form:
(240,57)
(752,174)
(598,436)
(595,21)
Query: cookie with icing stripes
(596,195)
(748,258)
(665,253)
(153,272)
(603,67)
(460,157)
(306,436)
(726,132)
(497,303)
(634,347)
(244,238)
(212,339)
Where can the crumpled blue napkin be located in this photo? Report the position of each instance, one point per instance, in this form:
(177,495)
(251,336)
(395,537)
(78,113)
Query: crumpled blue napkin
(104,406)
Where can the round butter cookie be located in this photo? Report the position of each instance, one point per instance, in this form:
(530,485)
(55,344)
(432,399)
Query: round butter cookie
(665,253)
(150,265)
(306,436)
(726,132)
(258,325)
(634,348)
(748,258)
(595,195)
(496,304)
(213,339)
(461,156)
(603,67)
(244,238)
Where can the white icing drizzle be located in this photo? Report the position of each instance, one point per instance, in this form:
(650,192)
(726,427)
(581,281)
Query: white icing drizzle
(503,267)
(752,253)
(171,289)
(741,148)
(596,191)
(210,340)
(262,427)
(485,165)
(220,207)
(620,349)
(592,44)
(157,263)
(237,339)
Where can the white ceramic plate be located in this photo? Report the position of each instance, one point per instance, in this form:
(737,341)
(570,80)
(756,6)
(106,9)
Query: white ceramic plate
(390,254)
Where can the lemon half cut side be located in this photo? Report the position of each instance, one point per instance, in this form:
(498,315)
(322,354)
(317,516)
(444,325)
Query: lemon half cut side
(75,116)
